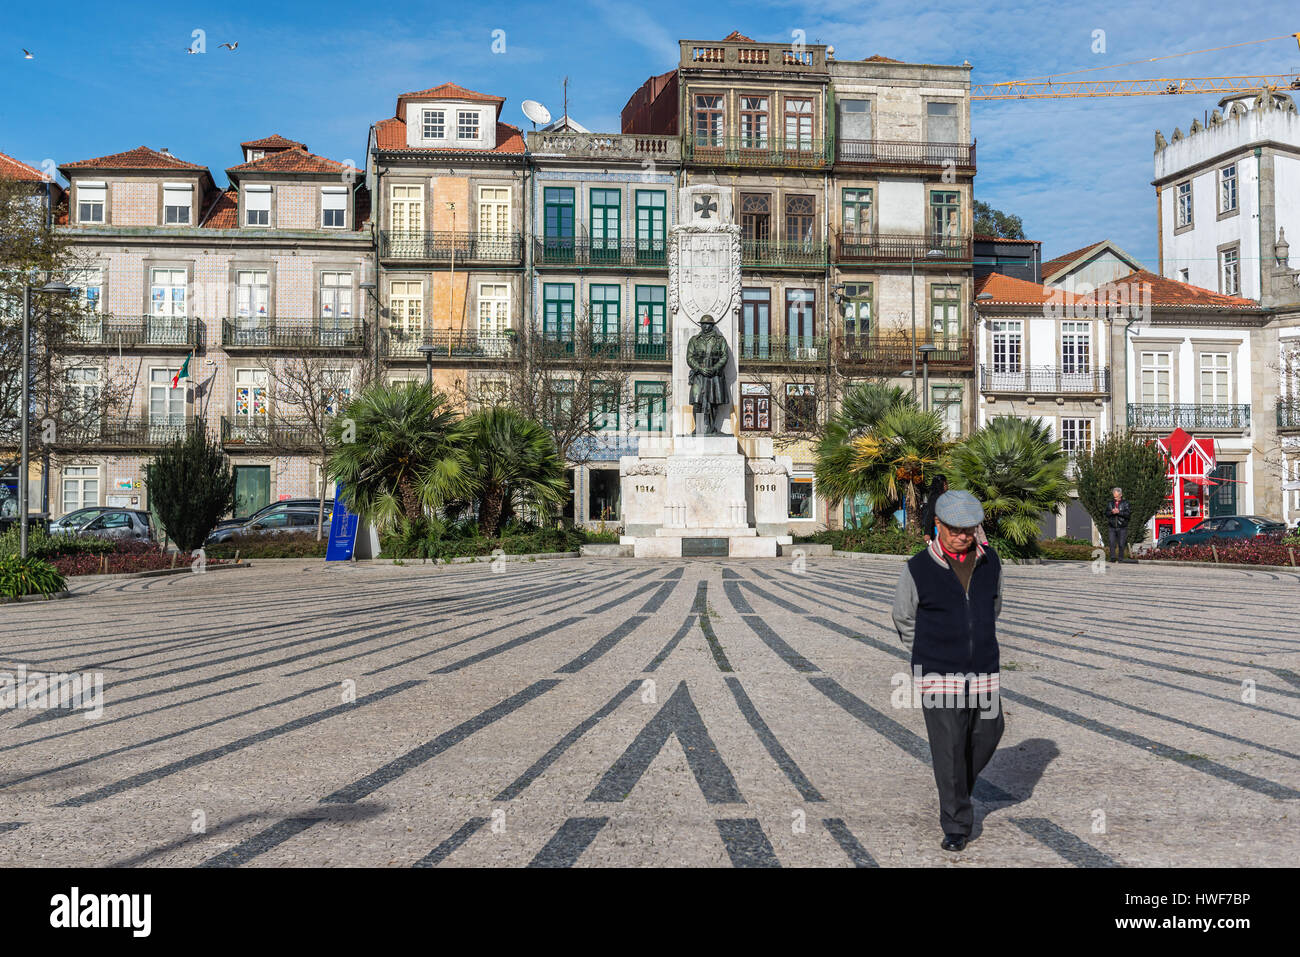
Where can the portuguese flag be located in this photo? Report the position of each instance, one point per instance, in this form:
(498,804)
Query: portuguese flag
(183,373)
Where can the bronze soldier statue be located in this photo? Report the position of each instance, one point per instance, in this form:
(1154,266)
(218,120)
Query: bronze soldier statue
(706,355)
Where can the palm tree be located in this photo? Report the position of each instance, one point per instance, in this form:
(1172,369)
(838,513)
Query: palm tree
(899,456)
(510,458)
(859,413)
(398,452)
(1018,471)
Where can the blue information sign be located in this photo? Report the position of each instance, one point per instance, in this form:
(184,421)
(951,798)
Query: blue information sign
(343,531)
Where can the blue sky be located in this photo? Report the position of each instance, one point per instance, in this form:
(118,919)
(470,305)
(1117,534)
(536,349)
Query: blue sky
(323,71)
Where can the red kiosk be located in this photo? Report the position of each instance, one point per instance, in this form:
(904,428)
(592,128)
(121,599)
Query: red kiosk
(1191,460)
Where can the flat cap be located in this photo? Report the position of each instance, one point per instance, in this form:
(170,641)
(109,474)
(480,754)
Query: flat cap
(958,509)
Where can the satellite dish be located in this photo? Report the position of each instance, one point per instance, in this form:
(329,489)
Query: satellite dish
(536,112)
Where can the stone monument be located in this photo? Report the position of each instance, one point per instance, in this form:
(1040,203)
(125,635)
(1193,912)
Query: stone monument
(702,490)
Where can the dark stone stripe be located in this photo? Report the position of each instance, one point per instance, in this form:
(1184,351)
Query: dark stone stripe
(905,739)
(779,602)
(147,777)
(620,600)
(1258,708)
(746,844)
(273,836)
(682,632)
(505,646)
(738,601)
(701,608)
(656,601)
(779,754)
(778,644)
(452,844)
(850,844)
(567,844)
(6,826)
(504,626)
(550,757)
(596,651)
(1075,850)
(1287,675)
(677,716)
(363,654)
(431,749)
(1231,775)
(171,735)
(675,573)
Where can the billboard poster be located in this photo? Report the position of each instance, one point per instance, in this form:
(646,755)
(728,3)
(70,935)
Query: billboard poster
(343,531)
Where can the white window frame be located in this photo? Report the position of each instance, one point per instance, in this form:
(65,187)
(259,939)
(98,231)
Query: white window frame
(1007,346)
(1151,372)
(1218,369)
(178,191)
(1228,188)
(468,119)
(334,199)
(493,309)
(262,195)
(433,124)
(80,476)
(1183,204)
(1230,271)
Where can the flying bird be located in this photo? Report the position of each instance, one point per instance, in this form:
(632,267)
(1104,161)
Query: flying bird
(191,50)
(231,46)
(27,54)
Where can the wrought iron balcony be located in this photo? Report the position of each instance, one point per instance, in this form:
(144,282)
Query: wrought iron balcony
(1288,414)
(118,432)
(1042,380)
(262,432)
(320,334)
(754,350)
(585,251)
(765,152)
(792,254)
(447,344)
(901,248)
(441,246)
(901,153)
(606,146)
(892,352)
(153,333)
(639,345)
(1155,416)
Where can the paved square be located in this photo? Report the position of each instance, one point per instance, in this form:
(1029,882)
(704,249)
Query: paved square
(631,712)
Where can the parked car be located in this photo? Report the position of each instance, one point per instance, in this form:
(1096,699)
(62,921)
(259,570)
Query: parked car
(74,520)
(273,522)
(125,523)
(311,503)
(1225,527)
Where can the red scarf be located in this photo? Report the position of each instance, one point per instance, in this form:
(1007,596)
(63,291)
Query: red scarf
(958,556)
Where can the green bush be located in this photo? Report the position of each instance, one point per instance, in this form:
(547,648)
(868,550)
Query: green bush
(283,545)
(887,539)
(41,544)
(435,539)
(1066,549)
(28,576)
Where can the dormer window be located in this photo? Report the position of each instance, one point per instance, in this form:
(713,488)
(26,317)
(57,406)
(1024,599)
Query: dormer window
(90,202)
(254,155)
(467,124)
(178,199)
(257,205)
(334,206)
(435,125)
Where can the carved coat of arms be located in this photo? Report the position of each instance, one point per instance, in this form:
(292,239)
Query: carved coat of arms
(705,274)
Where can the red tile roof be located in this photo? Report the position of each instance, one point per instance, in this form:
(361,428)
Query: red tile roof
(737,35)
(447,91)
(139,158)
(985,237)
(224,213)
(292,161)
(1008,291)
(1060,262)
(390,134)
(273,142)
(11,168)
(877,58)
(1171,292)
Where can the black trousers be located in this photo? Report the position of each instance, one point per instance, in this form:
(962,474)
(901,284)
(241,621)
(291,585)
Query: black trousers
(1117,538)
(961,744)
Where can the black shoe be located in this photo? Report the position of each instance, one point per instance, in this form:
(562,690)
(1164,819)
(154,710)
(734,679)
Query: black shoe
(954,842)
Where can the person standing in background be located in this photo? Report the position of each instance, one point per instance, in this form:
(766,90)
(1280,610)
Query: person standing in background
(1117,513)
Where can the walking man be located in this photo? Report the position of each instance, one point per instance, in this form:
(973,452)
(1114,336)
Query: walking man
(1117,519)
(945,608)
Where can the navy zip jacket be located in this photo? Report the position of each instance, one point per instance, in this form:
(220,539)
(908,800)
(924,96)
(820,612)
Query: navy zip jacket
(950,630)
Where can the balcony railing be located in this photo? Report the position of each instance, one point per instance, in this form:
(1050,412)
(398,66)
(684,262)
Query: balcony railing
(1288,414)
(320,334)
(902,153)
(446,344)
(608,146)
(251,433)
(748,55)
(1045,379)
(797,253)
(893,352)
(1188,415)
(585,251)
(902,248)
(157,333)
(758,350)
(763,152)
(441,245)
(628,345)
(116,432)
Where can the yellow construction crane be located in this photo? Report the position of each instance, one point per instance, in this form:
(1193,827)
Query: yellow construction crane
(1051,87)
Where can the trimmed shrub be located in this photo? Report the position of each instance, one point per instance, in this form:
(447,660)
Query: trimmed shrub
(28,576)
(887,539)
(282,545)
(1261,550)
(41,544)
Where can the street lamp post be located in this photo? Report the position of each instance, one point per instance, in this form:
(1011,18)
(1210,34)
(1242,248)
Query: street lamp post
(925,351)
(932,254)
(51,289)
(426,350)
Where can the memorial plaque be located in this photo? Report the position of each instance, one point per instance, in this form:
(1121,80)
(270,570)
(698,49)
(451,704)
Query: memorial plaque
(699,547)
